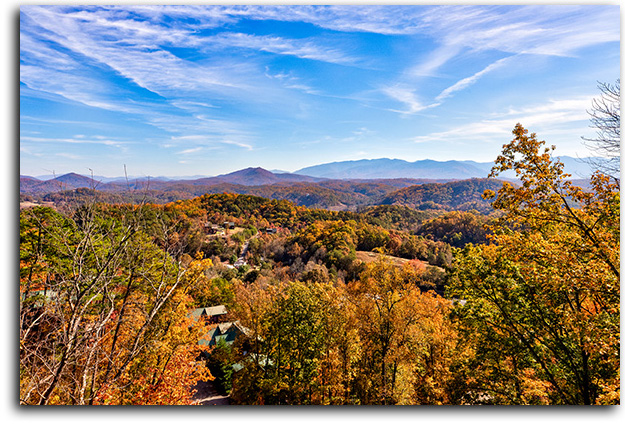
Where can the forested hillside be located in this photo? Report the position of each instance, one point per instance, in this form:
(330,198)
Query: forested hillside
(461,195)
(322,205)
(328,194)
(465,292)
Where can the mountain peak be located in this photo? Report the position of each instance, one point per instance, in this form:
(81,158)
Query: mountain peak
(75,180)
(251,170)
(255,176)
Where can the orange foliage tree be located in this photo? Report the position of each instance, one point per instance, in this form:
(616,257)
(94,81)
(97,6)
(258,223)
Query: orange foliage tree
(103,311)
(542,304)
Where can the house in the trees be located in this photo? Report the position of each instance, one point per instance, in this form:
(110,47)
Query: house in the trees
(227,332)
(212,229)
(221,330)
(214,314)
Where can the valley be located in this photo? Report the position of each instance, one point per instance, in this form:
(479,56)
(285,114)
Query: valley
(357,205)
(337,195)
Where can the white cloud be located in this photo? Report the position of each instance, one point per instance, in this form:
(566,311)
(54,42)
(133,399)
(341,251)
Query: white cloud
(53,122)
(466,82)
(482,130)
(191,105)
(406,96)
(191,150)
(207,141)
(239,144)
(133,53)
(79,141)
(137,52)
(31,49)
(547,117)
(563,29)
(83,55)
(305,49)
(430,65)
(290,81)
(542,30)
(573,106)
(84,89)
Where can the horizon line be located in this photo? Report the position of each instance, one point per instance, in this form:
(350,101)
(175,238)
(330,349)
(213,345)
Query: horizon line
(54,175)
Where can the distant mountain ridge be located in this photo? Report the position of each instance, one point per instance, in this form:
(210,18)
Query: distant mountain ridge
(65,182)
(256,177)
(362,178)
(364,169)
(246,177)
(425,169)
(394,168)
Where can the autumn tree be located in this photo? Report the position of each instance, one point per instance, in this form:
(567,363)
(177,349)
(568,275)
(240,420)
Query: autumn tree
(100,304)
(457,228)
(406,340)
(207,288)
(253,303)
(341,349)
(220,363)
(542,302)
(294,343)
(290,342)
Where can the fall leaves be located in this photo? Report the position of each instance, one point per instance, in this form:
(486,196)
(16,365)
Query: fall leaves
(530,313)
(545,292)
(110,325)
(376,340)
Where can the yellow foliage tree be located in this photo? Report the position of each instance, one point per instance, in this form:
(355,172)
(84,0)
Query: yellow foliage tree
(543,300)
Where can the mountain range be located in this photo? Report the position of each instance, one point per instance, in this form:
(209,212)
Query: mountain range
(247,177)
(338,185)
(364,169)
(427,168)
(395,168)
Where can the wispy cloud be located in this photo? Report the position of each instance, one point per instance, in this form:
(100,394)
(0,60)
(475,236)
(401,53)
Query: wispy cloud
(305,49)
(77,140)
(356,137)
(482,130)
(137,52)
(89,91)
(194,80)
(541,30)
(55,123)
(548,116)
(192,105)
(34,51)
(134,53)
(408,97)
(523,29)
(140,52)
(466,82)
(239,144)
(191,150)
(567,110)
(207,141)
(428,66)
(290,81)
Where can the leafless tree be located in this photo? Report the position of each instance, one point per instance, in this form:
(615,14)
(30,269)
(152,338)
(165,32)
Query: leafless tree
(605,117)
(97,275)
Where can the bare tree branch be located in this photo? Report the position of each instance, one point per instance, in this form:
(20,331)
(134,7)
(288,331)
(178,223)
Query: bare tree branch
(605,117)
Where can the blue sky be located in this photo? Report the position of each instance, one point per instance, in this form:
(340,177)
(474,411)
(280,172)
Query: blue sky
(187,90)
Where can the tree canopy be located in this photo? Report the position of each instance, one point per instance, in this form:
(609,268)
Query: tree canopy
(541,304)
